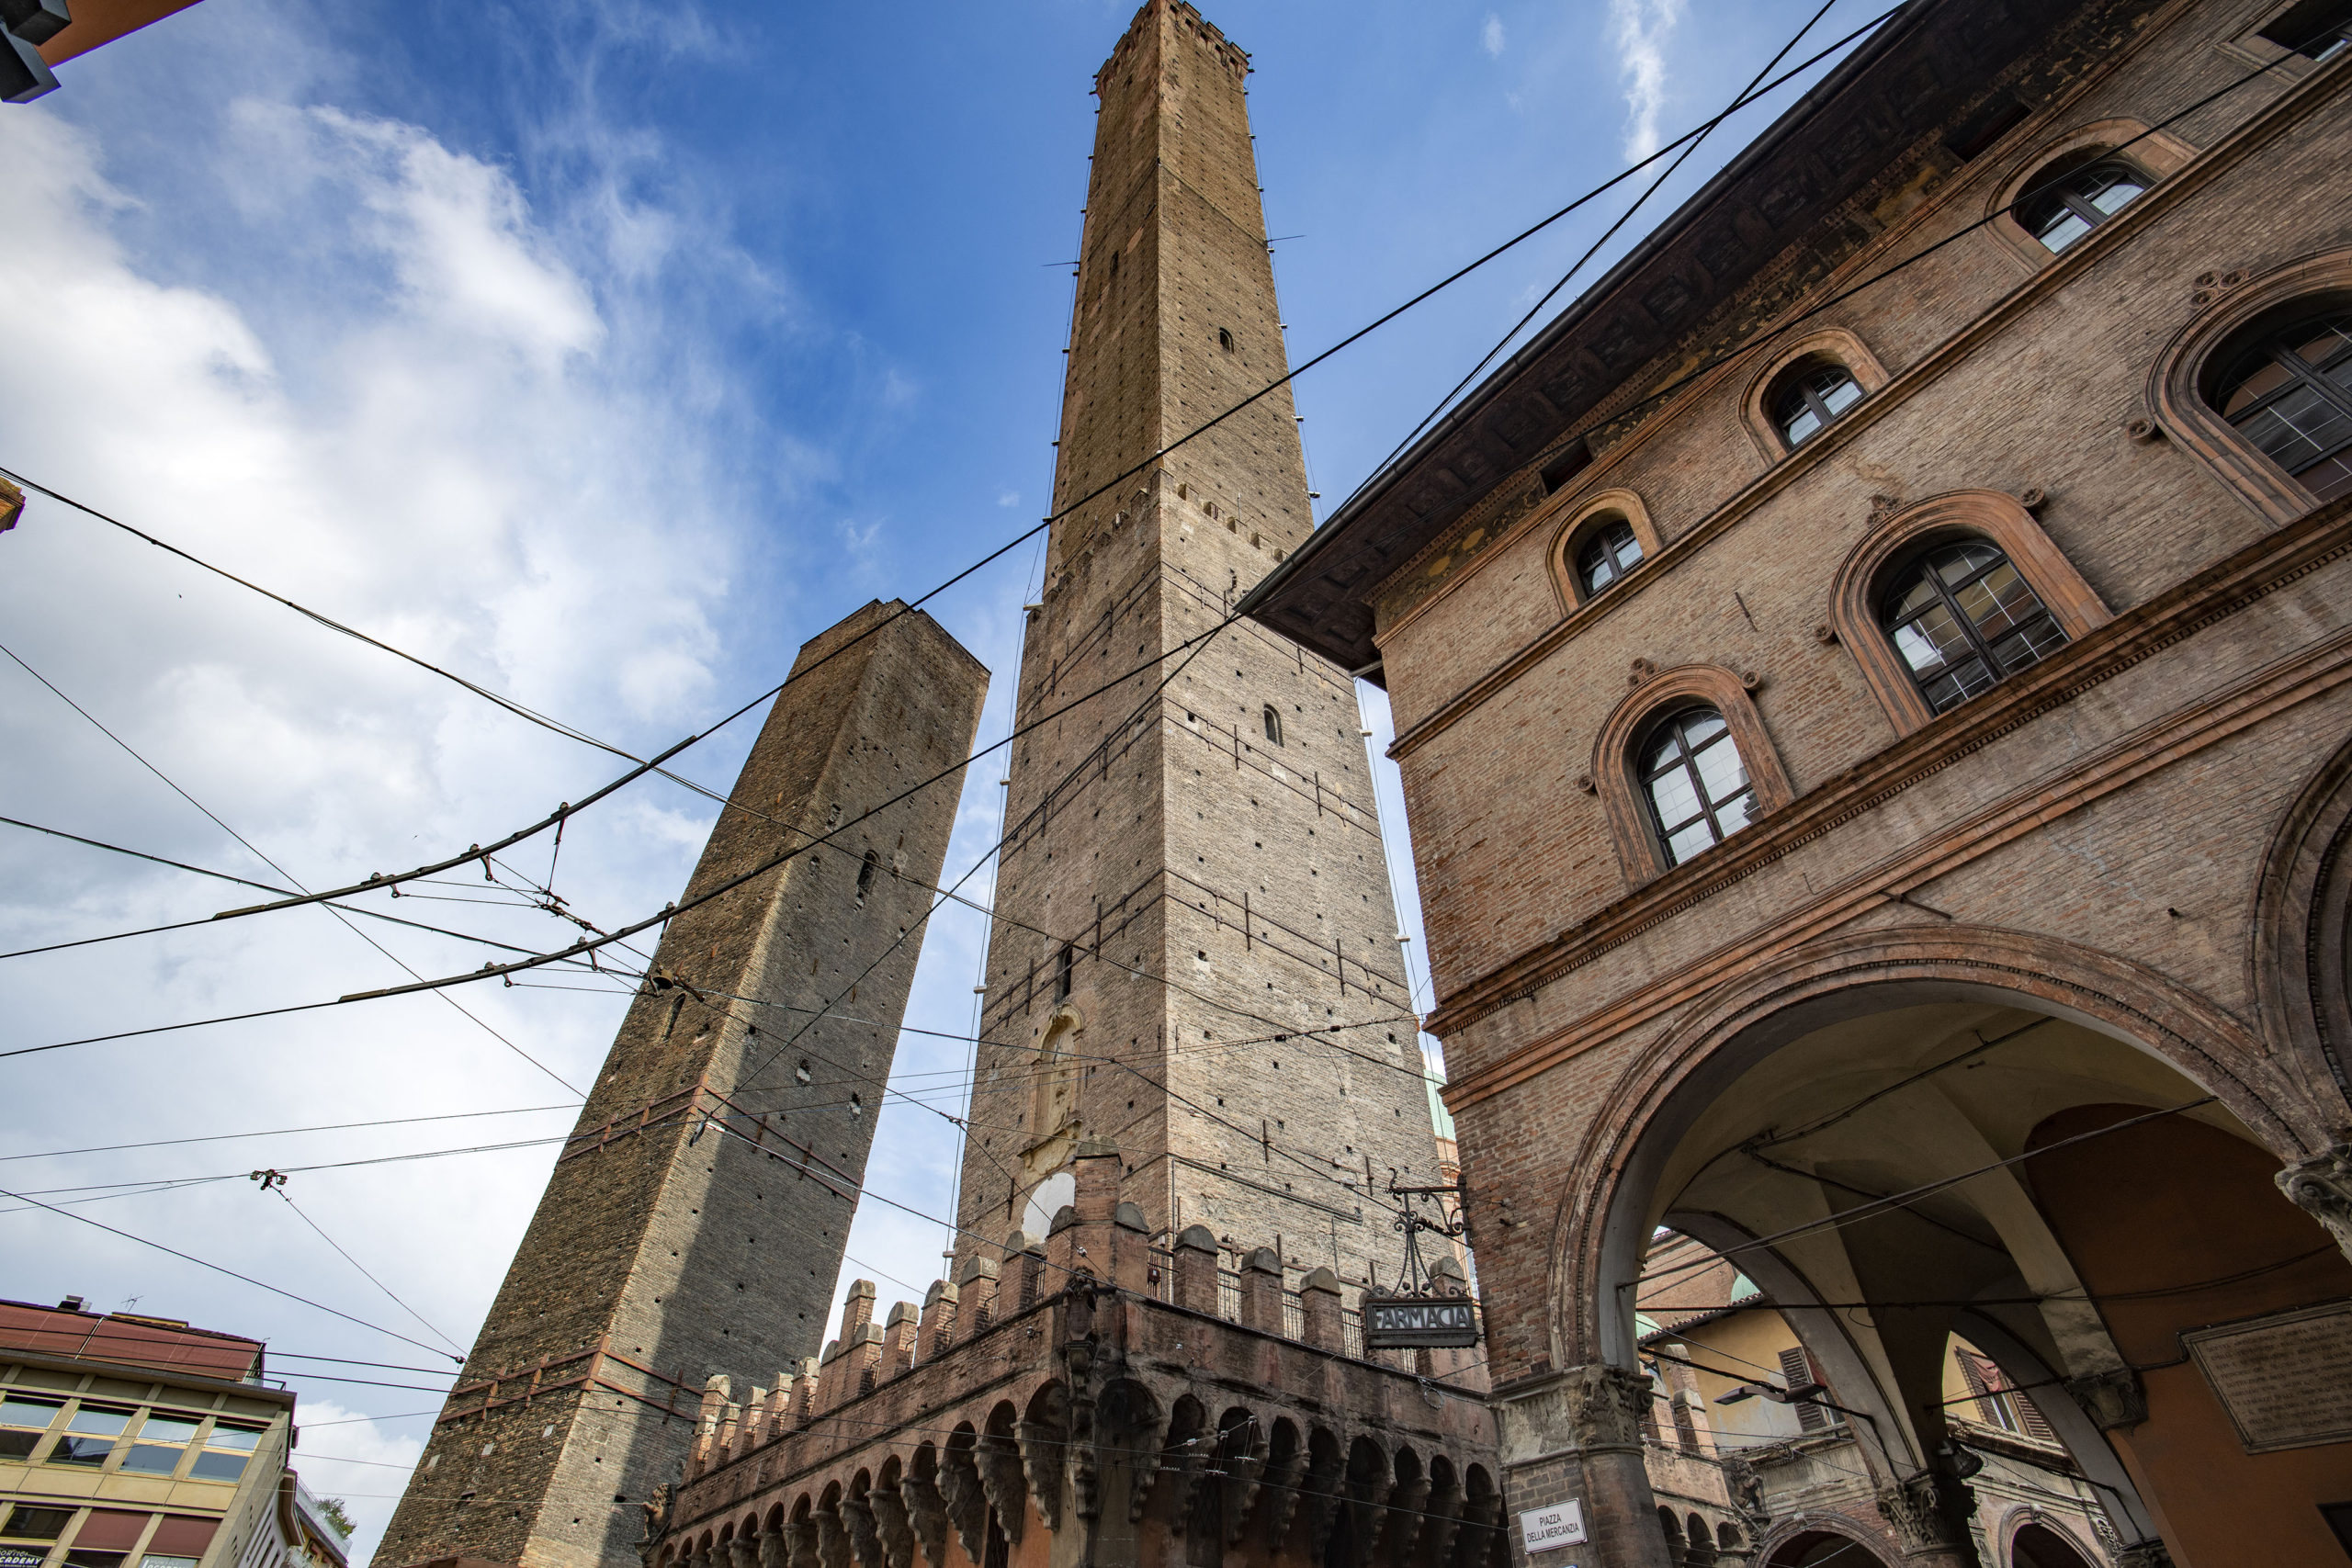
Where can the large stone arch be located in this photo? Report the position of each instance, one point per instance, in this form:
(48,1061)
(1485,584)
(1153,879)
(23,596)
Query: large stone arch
(1601,1225)
(2297,958)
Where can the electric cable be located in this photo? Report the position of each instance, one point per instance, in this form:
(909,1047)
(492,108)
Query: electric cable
(232,1273)
(1746,95)
(279,1187)
(273,865)
(560,815)
(223,876)
(283,1132)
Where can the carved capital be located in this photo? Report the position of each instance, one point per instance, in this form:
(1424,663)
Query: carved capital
(2113,1399)
(1929,1513)
(2321,1188)
(1605,1405)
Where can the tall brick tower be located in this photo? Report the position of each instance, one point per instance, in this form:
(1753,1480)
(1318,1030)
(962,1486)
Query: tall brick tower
(662,1245)
(1193,911)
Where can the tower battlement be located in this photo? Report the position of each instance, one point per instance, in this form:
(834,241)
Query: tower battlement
(1092,1396)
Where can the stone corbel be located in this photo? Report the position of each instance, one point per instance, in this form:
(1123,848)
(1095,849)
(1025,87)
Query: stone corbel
(743,1552)
(1444,1523)
(1243,1467)
(1406,1501)
(1281,1481)
(927,1511)
(967,1499)
(775,1550)
(890,1518)
(2113,1399)
(1142,1443)
(1323,1496)
(833,1538)
(2321,1188)
(801,1544)
(1478,1522)
(864,1538)
(1042,1448)
(999,1461)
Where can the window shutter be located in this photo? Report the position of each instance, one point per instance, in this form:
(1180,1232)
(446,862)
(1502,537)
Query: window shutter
(1797,1372)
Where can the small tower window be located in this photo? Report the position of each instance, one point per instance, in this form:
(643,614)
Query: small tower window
(865,876)
(1810,399)
(1609,553)
(2063,209)
(1064,962)
(1273,722)
(1224,340)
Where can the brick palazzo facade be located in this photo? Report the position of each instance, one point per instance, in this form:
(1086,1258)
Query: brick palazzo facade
(697,1214)
(1879,766)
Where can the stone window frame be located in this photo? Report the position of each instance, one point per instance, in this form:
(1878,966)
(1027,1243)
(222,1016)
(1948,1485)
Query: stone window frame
(1588,513)
(1990,514)
(1828,343)
(2231,309)
(2155,153)
(1615,777)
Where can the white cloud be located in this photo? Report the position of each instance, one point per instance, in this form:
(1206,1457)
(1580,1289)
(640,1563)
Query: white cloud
(1490,37)
(1007,498)
(356,1461)
(1638,30)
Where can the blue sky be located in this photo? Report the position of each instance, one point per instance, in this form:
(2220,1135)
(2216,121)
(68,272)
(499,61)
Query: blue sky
(602,353)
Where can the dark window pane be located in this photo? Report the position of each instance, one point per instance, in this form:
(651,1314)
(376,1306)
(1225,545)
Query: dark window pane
(37,1524)
(152,1459)
(71,1450)
(94,1558)
(18,1444)
(1964,617)
(217,1467)
(22,1557)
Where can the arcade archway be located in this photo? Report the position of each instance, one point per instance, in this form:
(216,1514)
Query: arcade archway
(2065,1175)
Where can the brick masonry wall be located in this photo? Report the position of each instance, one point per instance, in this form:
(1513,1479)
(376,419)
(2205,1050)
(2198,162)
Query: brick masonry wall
(680,1247)
(1558,965)
(1216,887)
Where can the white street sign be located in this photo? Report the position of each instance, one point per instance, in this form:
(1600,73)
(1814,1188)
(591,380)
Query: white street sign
(1560,1524)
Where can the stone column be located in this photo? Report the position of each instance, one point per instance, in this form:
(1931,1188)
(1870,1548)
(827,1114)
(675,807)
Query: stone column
(1576,1436)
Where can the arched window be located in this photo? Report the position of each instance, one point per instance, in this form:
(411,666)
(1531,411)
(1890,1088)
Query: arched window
(1964,620)
(1225,339)
(1810,397)
(2291,394)
(1273,722)
(1063,963)
(2062,205)
(1608,553)
(1696,785)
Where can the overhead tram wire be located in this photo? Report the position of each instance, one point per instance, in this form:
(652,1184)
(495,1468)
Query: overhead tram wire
(273,865)
(390,1295)
(223,877)
(232,1273)
(557,817)
(1746,96)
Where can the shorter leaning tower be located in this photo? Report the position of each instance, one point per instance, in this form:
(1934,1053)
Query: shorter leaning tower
(659,1251)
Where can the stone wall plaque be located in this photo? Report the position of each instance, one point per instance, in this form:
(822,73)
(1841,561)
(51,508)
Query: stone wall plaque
(2285,1380)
